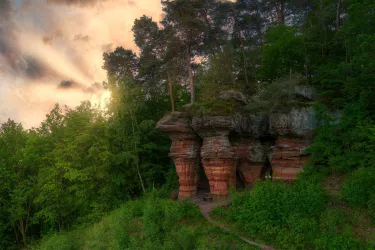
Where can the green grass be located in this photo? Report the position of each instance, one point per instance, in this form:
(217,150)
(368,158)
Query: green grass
(149,223)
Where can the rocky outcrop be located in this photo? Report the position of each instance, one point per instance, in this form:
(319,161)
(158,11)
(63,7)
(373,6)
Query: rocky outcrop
(251,126)
(233,95)
(306,92)
(298,122)
(239,147)
(184,151)
(217,154)
(293,132)
(288,158)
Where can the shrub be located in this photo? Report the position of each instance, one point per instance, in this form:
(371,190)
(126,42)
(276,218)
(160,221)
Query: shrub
(331,241)
(280,213)
(183,239)
(359,189)
(214,106)
(62,241)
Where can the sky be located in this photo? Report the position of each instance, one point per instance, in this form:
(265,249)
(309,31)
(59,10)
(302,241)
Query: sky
(51,51)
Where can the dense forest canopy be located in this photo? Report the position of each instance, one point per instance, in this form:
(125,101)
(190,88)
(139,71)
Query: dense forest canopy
(83,162)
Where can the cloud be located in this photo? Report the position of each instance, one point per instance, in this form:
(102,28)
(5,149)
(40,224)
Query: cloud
(7,49)
(77,2)
(44,42)
(33,68)
(68,84)
(80,37)
(87,3)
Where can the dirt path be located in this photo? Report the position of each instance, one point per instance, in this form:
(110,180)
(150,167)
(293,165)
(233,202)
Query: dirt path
(207,207)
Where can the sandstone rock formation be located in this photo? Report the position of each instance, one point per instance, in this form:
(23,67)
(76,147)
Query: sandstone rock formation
(288,158)
(185,150)
(293,132)
(217,154)
(250,160)
(239,147)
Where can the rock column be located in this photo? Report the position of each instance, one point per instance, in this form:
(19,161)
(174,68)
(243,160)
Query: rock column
(294,131)
(184,151)
(217,154)
(288,158)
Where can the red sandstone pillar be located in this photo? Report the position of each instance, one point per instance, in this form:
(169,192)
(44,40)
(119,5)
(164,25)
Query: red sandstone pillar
(288,158)
(218,157)
(184,151)
(185,154)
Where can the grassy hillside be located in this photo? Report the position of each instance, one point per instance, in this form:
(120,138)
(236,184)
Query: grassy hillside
(308,214)
(148,223)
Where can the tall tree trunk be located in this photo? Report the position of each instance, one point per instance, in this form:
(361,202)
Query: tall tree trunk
(281,15)
(15,234)
(140,178)
(228,66)
(243,57)
(137,162)
(190,70)
(338,15)
(323,27)
(22,230)
(258,21)
(211,43)
(170,84)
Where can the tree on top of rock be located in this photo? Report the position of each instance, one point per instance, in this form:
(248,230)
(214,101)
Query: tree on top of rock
(183,21)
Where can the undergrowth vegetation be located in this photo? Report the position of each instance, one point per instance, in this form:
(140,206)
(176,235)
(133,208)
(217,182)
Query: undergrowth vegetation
(298,216)
(148,223)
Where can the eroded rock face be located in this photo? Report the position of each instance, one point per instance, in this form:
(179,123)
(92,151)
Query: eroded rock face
(306,92)
(288,158)
(251,159)
(233,95)
(241,145)
(184,151)
(252,126)
(294,132)
(298,122)
(217,154)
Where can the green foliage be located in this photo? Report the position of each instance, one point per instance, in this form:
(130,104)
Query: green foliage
(210,102)
(218,70)
(279,213)
(213,106)
(148,223)
(336,225)
(60,241)
(298,216)
(283,52)
(79,164)
(359,188)
(344,142)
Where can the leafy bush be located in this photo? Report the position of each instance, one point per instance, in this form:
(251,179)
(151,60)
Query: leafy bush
(280,213)
(213,106)
(344,142)
(359,189)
